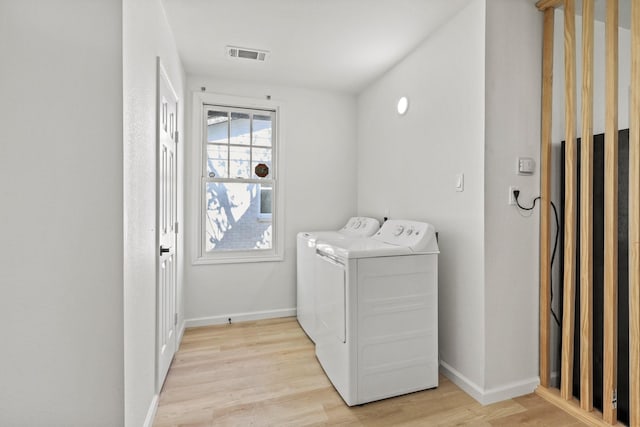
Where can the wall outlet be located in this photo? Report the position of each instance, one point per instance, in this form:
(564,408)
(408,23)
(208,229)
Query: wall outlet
(512,199)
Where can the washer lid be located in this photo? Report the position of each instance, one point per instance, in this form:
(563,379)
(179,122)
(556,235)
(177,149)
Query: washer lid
(357,226)
(313,236)
(363,247)
(395,237)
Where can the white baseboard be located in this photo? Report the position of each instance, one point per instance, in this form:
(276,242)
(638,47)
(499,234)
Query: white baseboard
(492,395)
(181,333)
(239,317)
(511,390)
(151,413)
(469,387)
(153,408)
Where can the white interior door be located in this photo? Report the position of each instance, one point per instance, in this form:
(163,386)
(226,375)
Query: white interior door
(166,187)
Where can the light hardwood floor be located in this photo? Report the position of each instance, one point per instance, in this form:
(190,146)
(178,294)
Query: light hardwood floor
(265,373)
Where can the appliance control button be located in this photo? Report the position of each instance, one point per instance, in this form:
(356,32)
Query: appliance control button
(398,231)
(410,231)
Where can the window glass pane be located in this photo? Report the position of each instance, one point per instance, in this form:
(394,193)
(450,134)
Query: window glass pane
(239,162)
(232,219)
(240,129)
(262,130)
(261,155)
(218,126)
(217,161)
(266,206)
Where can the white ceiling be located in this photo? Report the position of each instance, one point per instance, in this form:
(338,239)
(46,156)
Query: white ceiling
(339,45)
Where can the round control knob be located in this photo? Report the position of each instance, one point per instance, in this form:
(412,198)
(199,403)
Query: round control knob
(410,231)
(398,231)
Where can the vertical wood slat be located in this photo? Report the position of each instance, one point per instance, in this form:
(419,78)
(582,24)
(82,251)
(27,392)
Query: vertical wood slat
(586,212)
(609,412)
(634,220)
(548,4)
(545,196)
(568,327)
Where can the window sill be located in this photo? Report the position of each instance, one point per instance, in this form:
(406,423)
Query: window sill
(237,259)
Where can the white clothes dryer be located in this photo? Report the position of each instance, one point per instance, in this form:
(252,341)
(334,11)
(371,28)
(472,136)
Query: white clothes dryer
(377,312)
(306,252)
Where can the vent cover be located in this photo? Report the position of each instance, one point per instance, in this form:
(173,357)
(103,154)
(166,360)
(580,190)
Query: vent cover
(246,53)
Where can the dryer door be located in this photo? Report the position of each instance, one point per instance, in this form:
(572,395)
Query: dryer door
(332,348)
(331,298)
(306,251)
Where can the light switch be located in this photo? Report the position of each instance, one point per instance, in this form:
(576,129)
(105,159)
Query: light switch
(460,182)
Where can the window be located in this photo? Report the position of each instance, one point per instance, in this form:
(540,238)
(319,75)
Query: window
(239,186)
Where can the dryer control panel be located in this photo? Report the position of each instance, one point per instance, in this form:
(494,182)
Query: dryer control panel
(418,236)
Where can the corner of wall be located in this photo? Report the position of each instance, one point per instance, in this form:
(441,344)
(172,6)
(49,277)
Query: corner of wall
(488,396)
(440,137)
(140,50)
(512,130)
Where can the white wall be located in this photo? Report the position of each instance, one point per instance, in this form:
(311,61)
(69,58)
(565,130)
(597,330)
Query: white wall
(146,36)
(471,114)
(320,193)
(512,129)
(61,183)
(407,164)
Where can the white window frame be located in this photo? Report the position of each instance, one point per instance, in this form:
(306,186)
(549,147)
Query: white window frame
(200,101)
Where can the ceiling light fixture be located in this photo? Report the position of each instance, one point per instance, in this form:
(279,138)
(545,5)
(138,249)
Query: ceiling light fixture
(403,105)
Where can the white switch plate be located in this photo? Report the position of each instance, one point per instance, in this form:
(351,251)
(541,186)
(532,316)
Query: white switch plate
(460,182)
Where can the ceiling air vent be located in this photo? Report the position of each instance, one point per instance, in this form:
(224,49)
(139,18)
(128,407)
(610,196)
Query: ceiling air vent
(245,53)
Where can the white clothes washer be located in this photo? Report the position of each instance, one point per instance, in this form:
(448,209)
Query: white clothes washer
(306,252)
(377,312)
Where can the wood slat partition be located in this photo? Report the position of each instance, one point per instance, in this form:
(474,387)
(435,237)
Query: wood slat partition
(545,196)
(593,418)
(610,373)
(586,211)
(634,220)
(563,397)
(568,327)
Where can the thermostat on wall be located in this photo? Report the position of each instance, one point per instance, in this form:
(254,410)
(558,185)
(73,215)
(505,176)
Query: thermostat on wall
(526,166)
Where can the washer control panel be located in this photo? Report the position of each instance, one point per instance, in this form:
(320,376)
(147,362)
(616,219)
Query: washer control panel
(419,236)
(361,226)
